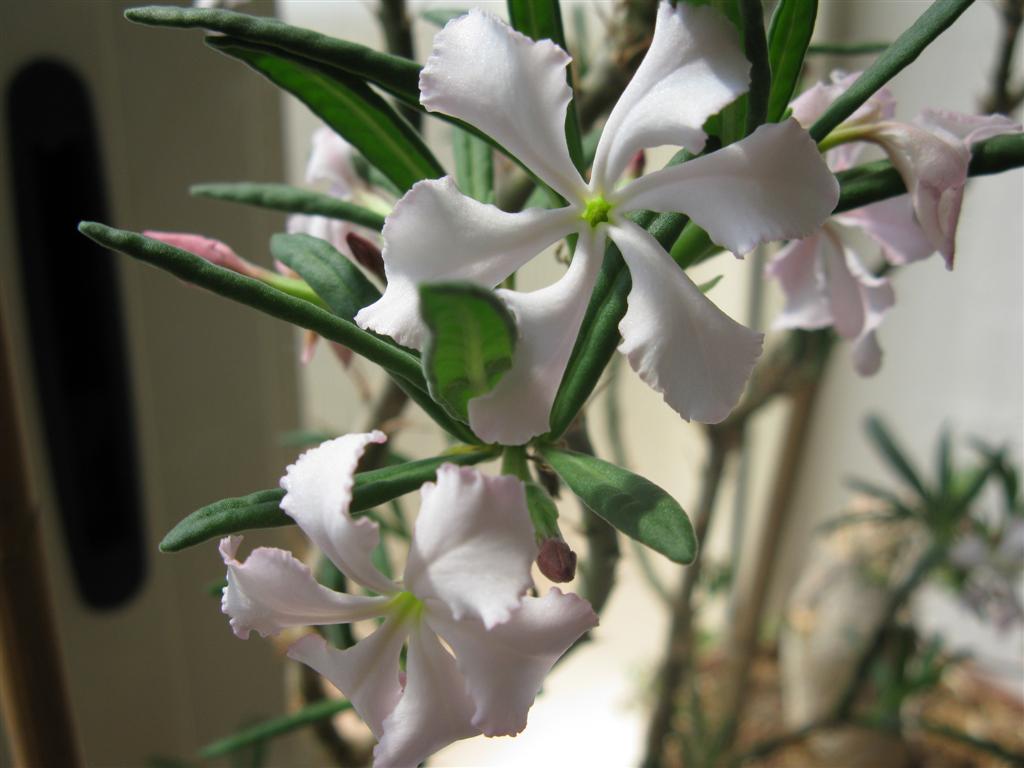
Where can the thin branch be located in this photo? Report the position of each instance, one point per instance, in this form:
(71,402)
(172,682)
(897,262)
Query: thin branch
(1001,97)
(678,661)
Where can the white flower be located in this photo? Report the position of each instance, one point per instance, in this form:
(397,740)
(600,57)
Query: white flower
(467,571)
(771,185)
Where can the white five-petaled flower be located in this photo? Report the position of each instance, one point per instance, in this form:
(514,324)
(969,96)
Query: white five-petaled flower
(772,185)
(825,282)
(465,578)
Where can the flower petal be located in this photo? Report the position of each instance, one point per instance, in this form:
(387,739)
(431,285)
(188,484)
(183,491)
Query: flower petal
(548,321)
(970,129)
(877,297)
(272,591)
(812,103)
(505,667)
(334,231)
(891,224)
(510,87)
(800,273)
(473,544)
(434,710)
(843,290)
(436,233)
(331,161)
(934,169)
(319,491)
(772,185)
(694,67)
(367,674)
(679,342)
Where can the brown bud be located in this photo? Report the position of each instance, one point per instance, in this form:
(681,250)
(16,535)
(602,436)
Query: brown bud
(556,560)
(636,166)
(366,253)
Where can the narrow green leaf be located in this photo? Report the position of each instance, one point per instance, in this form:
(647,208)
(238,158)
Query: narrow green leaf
(788,38)
(756,48)
(441,16)
(944,461)
(630,503)
(474,165)
(894,456)
(333,277)
(348,106)
(396,75)
(257,295)
(846,49)
(282,197)
(262,508)
(270,729)
(470,343)
(542,20)
(908,46)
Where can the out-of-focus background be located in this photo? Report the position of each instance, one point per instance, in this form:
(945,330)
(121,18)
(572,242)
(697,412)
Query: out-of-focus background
(208,388)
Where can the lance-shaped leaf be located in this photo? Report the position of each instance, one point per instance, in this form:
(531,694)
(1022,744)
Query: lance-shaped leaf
(632,504)
(788,38)
(396,75)
(278,726)
(470,343)
(282,197)
(344,289)
(403,366)
(262,508)
(348,106)
(894,456)
(908,46)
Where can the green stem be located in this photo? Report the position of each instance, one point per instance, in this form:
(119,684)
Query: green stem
(276,727)
(513,462)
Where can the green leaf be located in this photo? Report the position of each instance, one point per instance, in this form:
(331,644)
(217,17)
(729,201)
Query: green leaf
(474,165)
(396,75)
(630,503)
(894,456)
(335,279)
(846,49)
(253,293)
(441,16)
(471,339)
(788,38)
(403,366)
(542,20)
(278,726)
(281,197)
(756,48)
(348,106)
(876,181)
(908,46)
(262,508)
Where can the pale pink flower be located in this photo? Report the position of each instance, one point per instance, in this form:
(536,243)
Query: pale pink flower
(465,579)
(771,185)
(827,283)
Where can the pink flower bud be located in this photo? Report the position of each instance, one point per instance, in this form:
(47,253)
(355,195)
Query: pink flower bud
(213,251)
(556,560)
(366,253)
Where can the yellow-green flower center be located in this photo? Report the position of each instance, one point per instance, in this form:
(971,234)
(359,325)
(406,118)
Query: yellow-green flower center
(596,211)
(405,605)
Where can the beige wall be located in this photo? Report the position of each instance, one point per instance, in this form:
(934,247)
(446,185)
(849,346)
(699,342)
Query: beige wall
(214,383)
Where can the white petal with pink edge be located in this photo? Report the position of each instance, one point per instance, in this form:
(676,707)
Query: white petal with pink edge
(473,545)
(547,321)
(510,87)
(434,709)
(272,591)
(318,495)
(679,342)
(505,667)
(367,674)
(772,185)
(694,67)
(436,233)
(798,268)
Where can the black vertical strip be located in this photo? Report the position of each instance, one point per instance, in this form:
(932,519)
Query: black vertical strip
(76,329)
